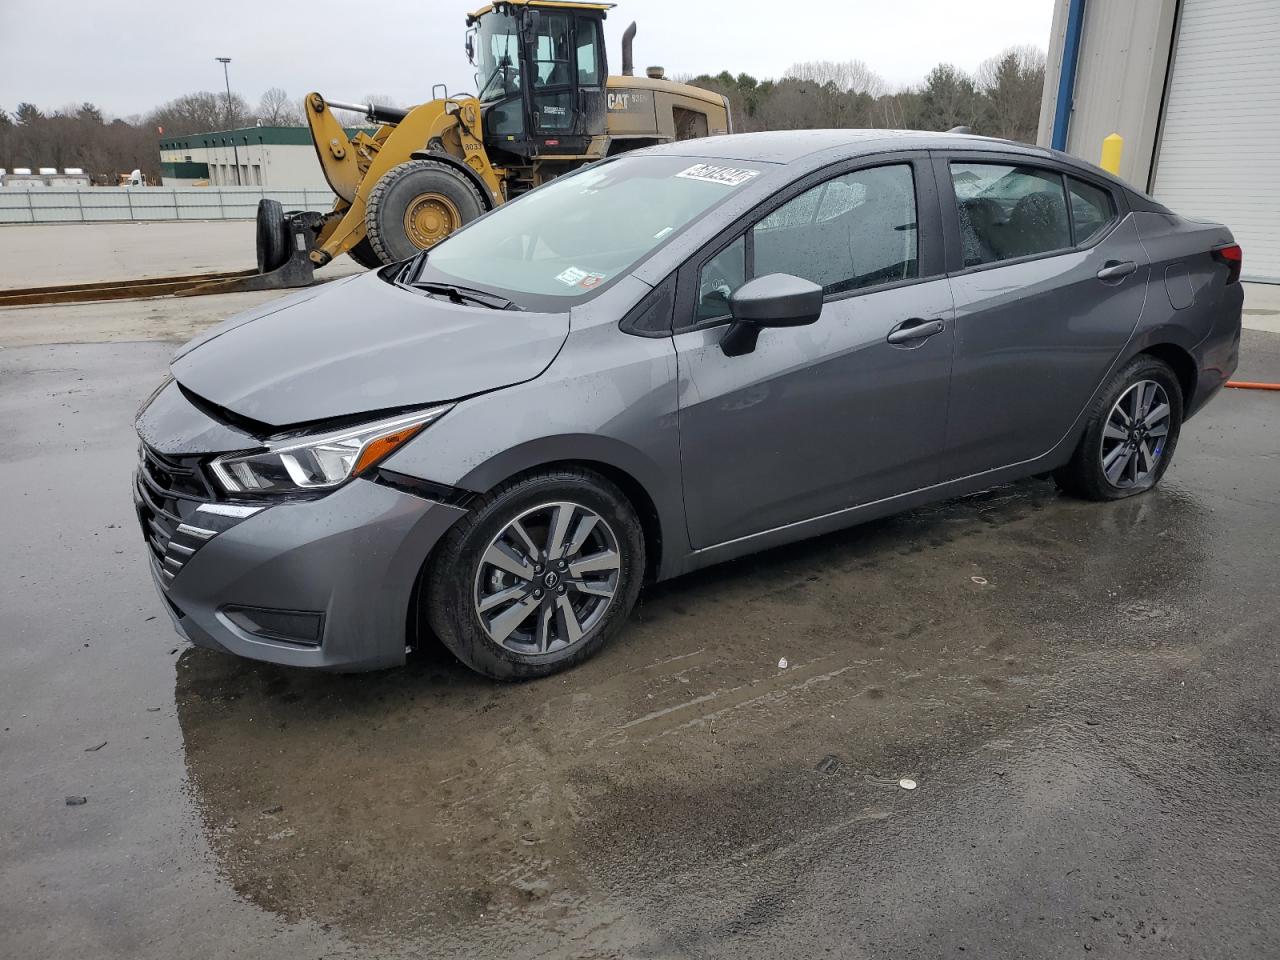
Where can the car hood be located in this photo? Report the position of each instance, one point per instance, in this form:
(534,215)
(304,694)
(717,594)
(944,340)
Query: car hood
(360,345)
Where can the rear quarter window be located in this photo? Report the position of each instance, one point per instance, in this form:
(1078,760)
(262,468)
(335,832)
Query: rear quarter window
(1092,209)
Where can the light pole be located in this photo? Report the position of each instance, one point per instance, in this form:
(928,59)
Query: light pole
(227,78)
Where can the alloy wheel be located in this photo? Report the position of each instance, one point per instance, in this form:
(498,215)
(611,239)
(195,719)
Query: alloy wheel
(547,578)
(1134,436)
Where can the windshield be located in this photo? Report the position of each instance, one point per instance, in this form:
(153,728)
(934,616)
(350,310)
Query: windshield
(497,56)
(581,231)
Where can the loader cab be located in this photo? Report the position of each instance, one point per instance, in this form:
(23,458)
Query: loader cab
(540,76)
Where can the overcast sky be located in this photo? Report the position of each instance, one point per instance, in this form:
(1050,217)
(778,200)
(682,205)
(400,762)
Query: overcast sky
(128,57)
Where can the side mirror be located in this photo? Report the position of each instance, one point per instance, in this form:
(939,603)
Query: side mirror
(471,46)
(774,300)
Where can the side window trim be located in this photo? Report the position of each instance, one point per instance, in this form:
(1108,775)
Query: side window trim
(950,211)
(930,231)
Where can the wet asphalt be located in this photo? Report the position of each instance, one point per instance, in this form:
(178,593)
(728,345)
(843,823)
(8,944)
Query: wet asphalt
(1085,695)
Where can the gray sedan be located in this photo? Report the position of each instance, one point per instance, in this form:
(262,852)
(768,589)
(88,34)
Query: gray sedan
(667,359)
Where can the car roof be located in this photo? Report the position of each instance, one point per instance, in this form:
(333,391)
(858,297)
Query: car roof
(789,146)
(809,149)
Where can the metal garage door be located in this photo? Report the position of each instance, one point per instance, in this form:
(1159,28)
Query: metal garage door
(1219,155)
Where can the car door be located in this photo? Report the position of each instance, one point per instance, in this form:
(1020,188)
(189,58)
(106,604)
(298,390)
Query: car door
(818,418)
(1049,280)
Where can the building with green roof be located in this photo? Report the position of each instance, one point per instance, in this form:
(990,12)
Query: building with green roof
(278,157)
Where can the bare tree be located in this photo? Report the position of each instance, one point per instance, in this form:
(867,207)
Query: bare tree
(200,112)
(276,109)
(847,76)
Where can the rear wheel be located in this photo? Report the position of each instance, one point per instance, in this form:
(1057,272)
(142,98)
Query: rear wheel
(1131,434)
(538,576)
(416,205)
(272,235)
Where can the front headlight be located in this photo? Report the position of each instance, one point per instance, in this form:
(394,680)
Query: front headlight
(318,462)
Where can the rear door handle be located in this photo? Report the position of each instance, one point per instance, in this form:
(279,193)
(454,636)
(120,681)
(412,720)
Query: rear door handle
(915,331)
(1116,269)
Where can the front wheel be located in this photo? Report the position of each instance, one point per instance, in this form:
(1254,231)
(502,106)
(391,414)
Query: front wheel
(1130,435)
(538,576)
(272,235)
(415,205)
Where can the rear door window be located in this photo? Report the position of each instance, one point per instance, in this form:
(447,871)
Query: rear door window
(1009,211)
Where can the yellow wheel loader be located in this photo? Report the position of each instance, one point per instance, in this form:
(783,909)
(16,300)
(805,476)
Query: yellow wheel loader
(545,104)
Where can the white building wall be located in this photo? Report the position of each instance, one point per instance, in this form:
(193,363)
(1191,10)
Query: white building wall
(1120,77)
(261,164)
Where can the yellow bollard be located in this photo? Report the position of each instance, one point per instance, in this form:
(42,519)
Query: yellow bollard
(1112,149)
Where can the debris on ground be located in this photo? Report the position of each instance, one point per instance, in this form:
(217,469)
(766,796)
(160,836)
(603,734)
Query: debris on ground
(980,581)
(782,664)
(77,801)
(828,765)
(906,783)
(95,749)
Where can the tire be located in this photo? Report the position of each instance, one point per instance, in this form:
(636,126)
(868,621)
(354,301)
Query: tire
(442,199)
(363,254)
(272,235)
(539,643)
(1140,456)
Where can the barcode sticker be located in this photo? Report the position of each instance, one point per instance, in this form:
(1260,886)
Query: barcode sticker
(709,172)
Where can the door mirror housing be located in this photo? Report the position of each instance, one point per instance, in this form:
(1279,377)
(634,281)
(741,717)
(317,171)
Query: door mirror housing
(774,300)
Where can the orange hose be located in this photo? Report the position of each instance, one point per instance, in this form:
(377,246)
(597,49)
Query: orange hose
(1248,385)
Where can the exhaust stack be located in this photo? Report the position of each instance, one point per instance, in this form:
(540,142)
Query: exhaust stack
(628,64)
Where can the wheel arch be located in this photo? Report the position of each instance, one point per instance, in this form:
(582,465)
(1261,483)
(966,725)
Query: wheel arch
(449,160)
(1180,361)
(654,496)
(598,454)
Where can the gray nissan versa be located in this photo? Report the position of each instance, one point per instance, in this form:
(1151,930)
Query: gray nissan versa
(665,360)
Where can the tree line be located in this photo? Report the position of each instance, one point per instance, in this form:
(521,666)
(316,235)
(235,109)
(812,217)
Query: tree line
(1001,99)
(82,136)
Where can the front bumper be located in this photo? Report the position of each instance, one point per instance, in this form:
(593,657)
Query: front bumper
(353,556)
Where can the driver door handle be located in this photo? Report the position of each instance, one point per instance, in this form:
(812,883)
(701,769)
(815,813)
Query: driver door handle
(915,331)
(1116,269)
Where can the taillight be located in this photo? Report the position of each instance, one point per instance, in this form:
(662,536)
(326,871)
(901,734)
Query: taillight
(1233,257)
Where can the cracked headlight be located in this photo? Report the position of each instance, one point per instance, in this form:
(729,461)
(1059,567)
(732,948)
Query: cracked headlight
(319,461)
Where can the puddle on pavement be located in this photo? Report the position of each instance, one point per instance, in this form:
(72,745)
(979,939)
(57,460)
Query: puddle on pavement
(428,801)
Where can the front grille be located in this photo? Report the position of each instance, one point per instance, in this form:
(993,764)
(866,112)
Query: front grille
(167,493)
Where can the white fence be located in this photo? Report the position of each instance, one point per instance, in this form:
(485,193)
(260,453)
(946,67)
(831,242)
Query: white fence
(93,204)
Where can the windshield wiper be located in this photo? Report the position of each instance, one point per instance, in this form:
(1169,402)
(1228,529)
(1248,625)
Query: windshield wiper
(459,294)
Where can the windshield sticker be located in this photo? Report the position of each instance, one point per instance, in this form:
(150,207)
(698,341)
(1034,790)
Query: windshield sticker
(573,277)
(728,176)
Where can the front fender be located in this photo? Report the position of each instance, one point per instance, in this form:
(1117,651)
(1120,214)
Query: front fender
(607,399)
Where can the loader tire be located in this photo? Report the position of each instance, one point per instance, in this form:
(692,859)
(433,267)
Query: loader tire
(416,205)
(273,236)
(363,254)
